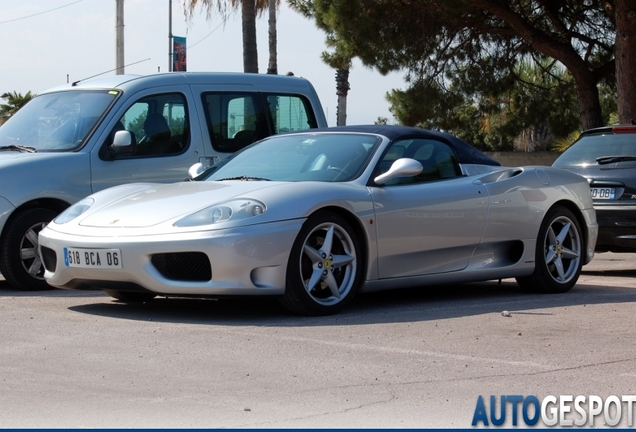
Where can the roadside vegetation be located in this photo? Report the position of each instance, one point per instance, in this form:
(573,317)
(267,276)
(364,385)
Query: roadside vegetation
(14,101)
(520,74)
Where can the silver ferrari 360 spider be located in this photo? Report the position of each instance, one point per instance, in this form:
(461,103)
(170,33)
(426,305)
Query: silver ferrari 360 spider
(315,217)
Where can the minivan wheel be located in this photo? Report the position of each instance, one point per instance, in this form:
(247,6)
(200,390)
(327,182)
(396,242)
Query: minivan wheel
(20,261)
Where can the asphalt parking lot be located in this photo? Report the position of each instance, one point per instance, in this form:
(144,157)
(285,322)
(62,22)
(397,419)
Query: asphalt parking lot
(402,359)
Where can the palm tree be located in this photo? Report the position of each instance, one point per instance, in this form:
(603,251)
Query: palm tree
(341,63)
(249,10)
(248,23)
(15,101)
(339,59)
(272,67)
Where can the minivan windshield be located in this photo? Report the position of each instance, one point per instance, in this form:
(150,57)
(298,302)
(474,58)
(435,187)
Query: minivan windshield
(56,121)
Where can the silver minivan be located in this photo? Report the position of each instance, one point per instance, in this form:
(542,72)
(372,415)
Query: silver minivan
(71,141)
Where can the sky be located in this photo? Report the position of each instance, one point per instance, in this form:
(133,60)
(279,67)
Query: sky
(50,42)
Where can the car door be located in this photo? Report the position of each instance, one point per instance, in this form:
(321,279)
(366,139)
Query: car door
(167,145)
(430,223)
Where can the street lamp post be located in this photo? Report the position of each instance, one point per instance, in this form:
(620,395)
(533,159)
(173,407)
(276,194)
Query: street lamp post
(170,35)
(119,36)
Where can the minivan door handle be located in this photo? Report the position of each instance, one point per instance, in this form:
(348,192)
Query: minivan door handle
(209,161)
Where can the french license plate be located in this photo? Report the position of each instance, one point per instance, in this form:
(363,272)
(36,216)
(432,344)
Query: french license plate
(92,258)
(603,193)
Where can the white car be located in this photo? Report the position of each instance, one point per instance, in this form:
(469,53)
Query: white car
(316,216)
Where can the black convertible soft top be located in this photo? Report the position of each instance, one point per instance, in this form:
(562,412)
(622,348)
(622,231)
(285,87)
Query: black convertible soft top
(466,153)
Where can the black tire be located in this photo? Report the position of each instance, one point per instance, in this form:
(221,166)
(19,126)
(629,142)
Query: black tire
(559,254)
(324,268)
(20,261)
(130,297)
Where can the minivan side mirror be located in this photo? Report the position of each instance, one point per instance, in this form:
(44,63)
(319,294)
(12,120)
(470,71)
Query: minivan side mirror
(123,144)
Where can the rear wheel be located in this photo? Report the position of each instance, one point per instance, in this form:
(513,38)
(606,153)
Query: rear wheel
(20,261)
(324,268)
(130,297)
(558,258)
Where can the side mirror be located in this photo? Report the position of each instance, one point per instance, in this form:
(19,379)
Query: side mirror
(403,167)
(123,144)
(195,170)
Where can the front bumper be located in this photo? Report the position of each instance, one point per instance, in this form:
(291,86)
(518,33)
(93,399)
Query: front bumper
(249,260)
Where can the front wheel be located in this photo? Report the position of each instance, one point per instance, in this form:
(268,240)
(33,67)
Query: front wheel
(324,268)
(558,258)
(20,261)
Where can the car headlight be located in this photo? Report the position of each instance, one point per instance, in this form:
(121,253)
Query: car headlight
(74,211)
(230,210)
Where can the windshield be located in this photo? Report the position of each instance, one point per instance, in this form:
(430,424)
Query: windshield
(56,121)
(330,157)
(589,148)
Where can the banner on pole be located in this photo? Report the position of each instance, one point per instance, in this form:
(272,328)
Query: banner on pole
(179,54)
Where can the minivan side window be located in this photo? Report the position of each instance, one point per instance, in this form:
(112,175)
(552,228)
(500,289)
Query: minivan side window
(159,125)
(290,113)
(237,119)
(234,119)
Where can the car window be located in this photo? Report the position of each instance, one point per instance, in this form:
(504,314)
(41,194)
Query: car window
(438,160)
(57,122)
(323,157)
(235,120)
(158,124)
(290,113)
(589,147)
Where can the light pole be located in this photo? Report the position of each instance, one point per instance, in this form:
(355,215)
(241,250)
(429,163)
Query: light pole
(119,36)
(170,35)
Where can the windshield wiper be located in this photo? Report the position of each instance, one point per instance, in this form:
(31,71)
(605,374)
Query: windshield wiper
(16,147)
(603,160)
(244,178)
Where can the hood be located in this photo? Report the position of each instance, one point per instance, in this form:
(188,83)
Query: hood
(153,204)
(12,157)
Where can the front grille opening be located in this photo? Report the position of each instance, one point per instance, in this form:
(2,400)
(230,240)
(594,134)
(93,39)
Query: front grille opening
(183,266)
(49,258)
(515,251)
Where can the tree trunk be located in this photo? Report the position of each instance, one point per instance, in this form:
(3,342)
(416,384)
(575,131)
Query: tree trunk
(589,102)
(272,67)
(625,54)
(250,52)
(586,81)
(342,89)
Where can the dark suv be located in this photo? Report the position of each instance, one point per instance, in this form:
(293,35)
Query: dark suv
(606,157)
